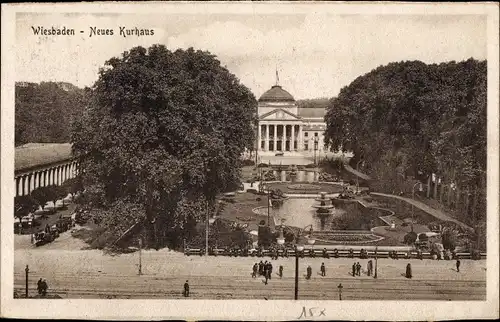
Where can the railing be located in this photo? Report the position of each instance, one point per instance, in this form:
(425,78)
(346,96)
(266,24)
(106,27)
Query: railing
(319,253)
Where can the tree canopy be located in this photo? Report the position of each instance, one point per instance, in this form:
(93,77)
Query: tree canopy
(23,205)
(413,119)
(44,112)
(164,130)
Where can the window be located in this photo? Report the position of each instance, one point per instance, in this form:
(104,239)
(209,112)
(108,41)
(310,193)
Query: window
(306,146)
(306,134)
(315,133)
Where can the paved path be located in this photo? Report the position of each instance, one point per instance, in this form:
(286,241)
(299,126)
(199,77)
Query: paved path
(422,206)
(356,173)
(91,274)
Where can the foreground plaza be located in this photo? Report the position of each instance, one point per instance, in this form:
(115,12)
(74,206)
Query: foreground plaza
(76,273)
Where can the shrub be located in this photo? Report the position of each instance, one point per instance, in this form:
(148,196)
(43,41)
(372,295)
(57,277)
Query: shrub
(410,238)
(310,166)
(262,165)
(449,239)
(247,162)
(423,237)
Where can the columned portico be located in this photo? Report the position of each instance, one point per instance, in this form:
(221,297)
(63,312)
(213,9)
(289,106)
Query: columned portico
(284,127)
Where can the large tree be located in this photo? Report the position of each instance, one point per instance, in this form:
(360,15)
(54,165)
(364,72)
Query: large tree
(164,130)
(424,121)
(45,111)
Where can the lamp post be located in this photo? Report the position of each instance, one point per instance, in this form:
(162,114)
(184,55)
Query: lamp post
(340,287)
(268,205)
(298,248)
(209,221)
(412,208)
(27,270)
(140,256)
(376,262)
(315,148)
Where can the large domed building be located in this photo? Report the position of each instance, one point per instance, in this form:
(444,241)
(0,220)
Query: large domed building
(283,126)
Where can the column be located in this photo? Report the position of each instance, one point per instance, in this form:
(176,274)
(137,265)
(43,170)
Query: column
(267,138)
(259,136)
(299,139)
(283,145)
(45,180)
(292,139)
(35,180)
(275,136)
(16,182)
(32,182)
(26,185)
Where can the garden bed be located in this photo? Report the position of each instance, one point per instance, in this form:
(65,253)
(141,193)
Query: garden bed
(306,188)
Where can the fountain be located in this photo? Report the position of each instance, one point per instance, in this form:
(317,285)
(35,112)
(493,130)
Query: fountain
(323,209)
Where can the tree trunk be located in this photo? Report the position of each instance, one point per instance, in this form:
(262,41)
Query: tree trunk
(467,202)
(429,186)
(441,192)
(148,225)
(435,187)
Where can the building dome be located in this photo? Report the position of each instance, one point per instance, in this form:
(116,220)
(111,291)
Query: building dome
(276,94)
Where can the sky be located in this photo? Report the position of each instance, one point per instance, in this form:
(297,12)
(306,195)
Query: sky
(316,54)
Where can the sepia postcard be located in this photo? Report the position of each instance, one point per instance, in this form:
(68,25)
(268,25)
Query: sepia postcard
(250,161)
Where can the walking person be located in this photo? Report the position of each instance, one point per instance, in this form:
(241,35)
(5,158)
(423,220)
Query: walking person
(369,268)
(358,269)
(266,273)
(39,285)
(186,289)
(458,265)
(323,269)
(270,270)
(309,272)
(281,271)
(44,287)
(254,270)
(354,269)
(408,271)
(261,268)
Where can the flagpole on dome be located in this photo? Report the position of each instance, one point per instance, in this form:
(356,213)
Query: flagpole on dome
(277,77)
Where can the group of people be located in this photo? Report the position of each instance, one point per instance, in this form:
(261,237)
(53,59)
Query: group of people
(42,286)
(356,268)
(265,269)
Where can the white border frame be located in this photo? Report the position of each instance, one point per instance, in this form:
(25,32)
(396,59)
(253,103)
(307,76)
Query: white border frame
(235,309)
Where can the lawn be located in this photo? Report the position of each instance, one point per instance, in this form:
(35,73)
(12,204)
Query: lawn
(240,210)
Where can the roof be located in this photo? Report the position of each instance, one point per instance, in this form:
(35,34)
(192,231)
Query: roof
(311,112)
(276,94)
(276,110)
(37,154)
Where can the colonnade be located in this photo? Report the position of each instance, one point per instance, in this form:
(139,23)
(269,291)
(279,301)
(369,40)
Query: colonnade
(56,175)
(280,137)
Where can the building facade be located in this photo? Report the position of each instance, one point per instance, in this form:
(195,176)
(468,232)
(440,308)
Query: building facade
(43,164)
(283,126)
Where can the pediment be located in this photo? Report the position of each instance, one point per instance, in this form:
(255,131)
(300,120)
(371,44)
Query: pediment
(279,114)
